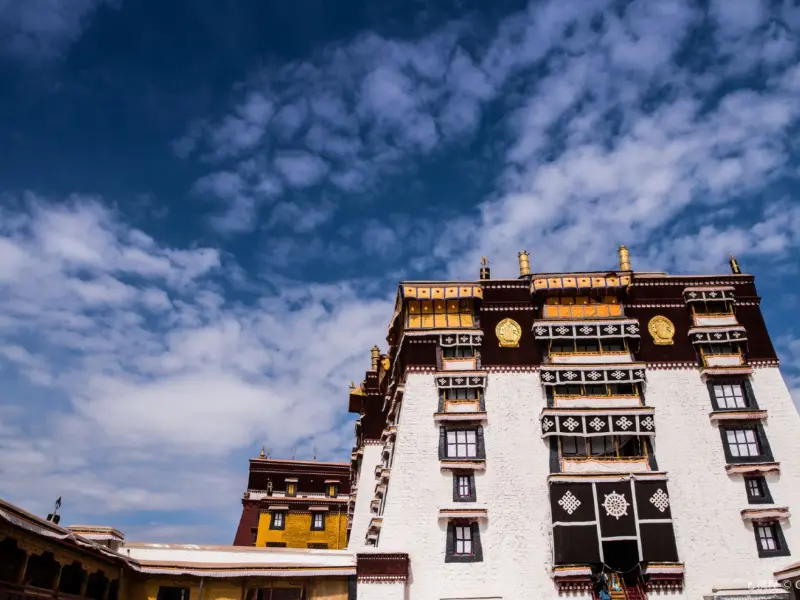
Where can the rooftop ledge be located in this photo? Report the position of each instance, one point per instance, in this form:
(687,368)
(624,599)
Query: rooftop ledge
(766,513)
(465,465)
(459,416)
(463,513)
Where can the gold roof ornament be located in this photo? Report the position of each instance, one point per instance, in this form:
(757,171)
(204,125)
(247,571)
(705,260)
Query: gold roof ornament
(734,265)
(624,258)
(486,273)
(524,263)
(262,454)
(508,333)
(662,330)
(375,355)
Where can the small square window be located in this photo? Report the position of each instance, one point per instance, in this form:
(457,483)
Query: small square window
(333,490)
(742,442)
(458,352)
(291,489)
(317,521)
(463,487)
(461,444)
(278,520)
(757,490)
(770,540)
(745,442)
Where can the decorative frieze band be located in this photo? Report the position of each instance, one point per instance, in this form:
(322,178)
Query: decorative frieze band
(505,307)
(708,294)
(566,374)
(461,339)
(474,379)
(546,330)
(582,425)
(718,335)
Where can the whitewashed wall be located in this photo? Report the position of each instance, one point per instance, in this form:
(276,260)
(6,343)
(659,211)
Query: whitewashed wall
(364,495)
(381,591)
(516,539)
(716,546)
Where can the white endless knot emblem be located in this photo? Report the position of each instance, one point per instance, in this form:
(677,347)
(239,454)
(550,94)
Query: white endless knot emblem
(618,374)
(713,294)
(610,329)
(586,329)
(541,331)
(736,334)
(464,338)
(476,379)
(597,423)
(460,380)
(570,424)
(449,339)
(693,294)
(594,375)
(648,423)
(562,330)
(547,424)
(570,375)
(633,329)
(569,503)
(718,335)
(442,380)
(660,500)
(624,423)
(547,376)
(478,339)
(615,504)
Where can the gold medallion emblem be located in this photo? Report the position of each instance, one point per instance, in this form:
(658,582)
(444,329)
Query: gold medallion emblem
(508,333)
(662,330)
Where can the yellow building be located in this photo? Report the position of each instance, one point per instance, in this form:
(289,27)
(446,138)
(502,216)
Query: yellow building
(295,504)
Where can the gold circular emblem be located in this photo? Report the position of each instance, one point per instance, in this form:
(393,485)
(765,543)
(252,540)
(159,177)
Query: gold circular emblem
(662,330)
(508,333)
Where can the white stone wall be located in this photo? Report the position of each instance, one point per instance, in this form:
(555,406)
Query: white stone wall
(516,538)
(364,495)
(716,546)
(381,591)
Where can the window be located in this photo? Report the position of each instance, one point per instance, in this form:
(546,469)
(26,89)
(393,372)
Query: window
(573,446)
(317,521)
(462,444)
(770,540)
(612,446)
(463,542)
(742,442)
(276,544)
(318,545)
(613,345)
(466,443)
(712,308)
(729,396)
(291,488)
(333,490)
(278,520)
(720,349)
(596,389)
(562,346)
(745,442)
(458,352)
(462,394)
(169,592)
(757,490)
(463,487)
(587,346)
(254,534)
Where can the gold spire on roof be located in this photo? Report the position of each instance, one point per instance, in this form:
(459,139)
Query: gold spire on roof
(524,263)
(734,265)
(375,354)
(263,454)
(624,258)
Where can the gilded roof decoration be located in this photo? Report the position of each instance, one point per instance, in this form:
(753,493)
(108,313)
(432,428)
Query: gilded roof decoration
(579,282)
(441,292)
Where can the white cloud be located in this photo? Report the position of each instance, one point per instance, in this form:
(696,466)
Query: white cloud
(43,29)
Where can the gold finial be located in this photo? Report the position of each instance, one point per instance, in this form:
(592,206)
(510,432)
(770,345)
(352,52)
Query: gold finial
(734,265)
(352,385)
(624,258)
(524,264)
(486,273)
(375,354)
(263,454)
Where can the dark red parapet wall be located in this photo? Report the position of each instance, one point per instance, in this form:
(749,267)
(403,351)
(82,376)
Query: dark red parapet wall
(248,523)
(375,566)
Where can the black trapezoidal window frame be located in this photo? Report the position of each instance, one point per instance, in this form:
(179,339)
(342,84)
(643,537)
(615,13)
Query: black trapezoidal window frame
(761,439)
(780,541)
(480,446)
(759,483)
(747,393)
(475,538)
(458,485)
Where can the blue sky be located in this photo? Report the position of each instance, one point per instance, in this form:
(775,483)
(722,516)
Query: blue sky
(205,207)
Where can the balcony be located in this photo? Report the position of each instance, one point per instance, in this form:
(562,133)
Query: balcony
(620,401)
(714,319)
(722,360)
(582,311)
(589,358)
(601,464)
(459,364)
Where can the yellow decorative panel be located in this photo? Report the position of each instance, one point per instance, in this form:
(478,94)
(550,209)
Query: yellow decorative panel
(298,534)
(328,589)
(440,314)
(581,311)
